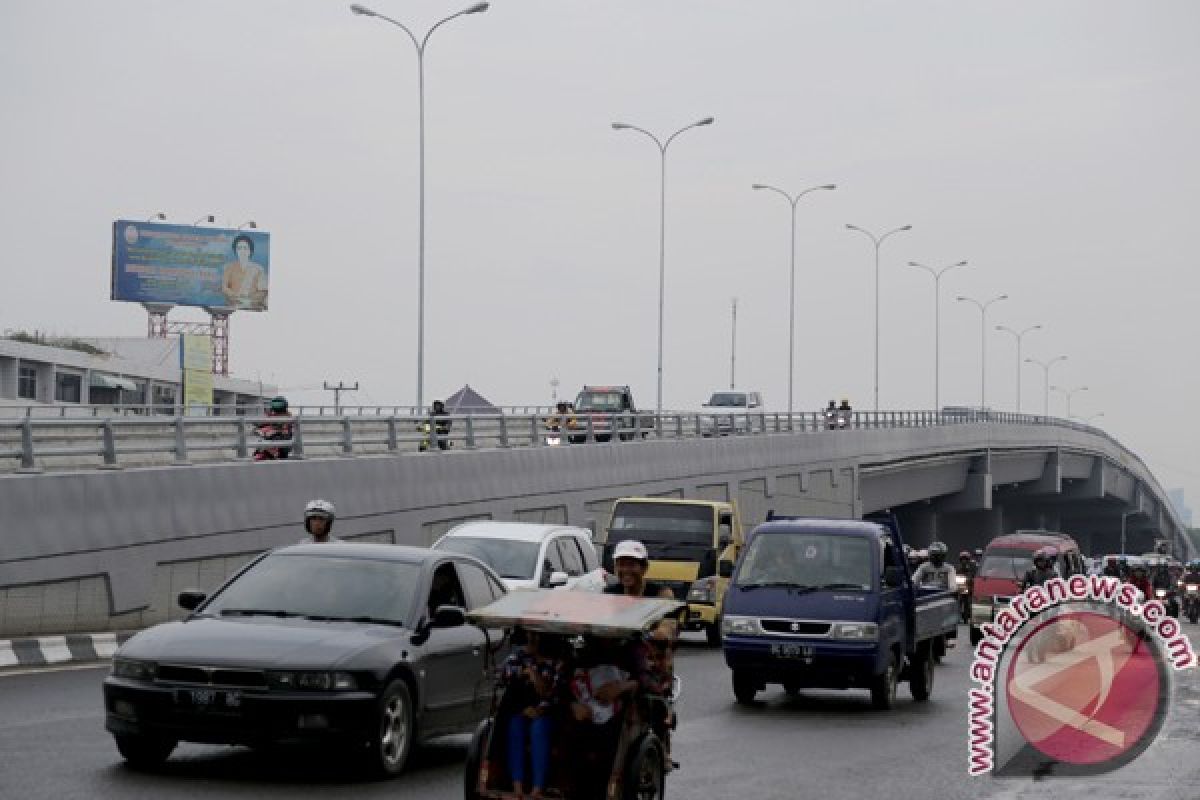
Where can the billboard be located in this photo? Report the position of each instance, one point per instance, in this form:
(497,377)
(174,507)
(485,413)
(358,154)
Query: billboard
(188,266)
(195,359)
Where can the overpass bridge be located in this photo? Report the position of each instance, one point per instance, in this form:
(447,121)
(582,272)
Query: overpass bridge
(106,519)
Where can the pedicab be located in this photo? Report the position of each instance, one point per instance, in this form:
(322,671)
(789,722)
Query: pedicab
(635,765)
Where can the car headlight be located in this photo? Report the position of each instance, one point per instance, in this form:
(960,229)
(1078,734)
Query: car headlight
(861,631)
(1160,592)
(133,670)
(703,591)
(1193,587)
(312,681)
(736,625)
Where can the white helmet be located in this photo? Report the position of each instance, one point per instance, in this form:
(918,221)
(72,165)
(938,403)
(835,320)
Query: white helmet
(320,508)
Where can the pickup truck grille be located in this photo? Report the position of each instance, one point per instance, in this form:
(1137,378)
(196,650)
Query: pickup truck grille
(212,676)
(795,627)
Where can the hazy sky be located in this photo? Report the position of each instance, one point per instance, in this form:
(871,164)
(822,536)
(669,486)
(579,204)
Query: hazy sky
(1051,144)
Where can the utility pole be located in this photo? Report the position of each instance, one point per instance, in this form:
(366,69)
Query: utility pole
(337,394)
(733,348)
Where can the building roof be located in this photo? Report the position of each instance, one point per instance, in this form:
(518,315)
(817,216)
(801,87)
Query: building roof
(468,401)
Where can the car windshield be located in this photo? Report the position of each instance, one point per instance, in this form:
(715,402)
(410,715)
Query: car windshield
(510,559)
(599,401)
(307,585)
(1008,562)
(728,400)
(809,560)
(662,525)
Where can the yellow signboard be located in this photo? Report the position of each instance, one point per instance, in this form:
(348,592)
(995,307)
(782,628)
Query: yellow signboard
(195,356)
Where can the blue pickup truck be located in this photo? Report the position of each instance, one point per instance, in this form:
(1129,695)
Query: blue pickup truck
(829,604)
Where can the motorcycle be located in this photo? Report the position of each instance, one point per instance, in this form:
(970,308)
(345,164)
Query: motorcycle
(1170,599)
(1191,602)
(963,589)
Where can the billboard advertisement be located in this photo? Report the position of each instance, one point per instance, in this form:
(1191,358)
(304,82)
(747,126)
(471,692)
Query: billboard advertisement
(195,359)
(185,265)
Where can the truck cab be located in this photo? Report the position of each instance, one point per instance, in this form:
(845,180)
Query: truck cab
(604,410)
(830,604)
(686,541)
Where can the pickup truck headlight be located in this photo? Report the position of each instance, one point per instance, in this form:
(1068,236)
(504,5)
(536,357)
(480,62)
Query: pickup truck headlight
(858,631)
(703,591)
(312,681)
(739,625)
(133,670)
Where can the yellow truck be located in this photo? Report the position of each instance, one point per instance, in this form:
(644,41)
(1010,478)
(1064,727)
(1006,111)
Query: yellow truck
(686,541)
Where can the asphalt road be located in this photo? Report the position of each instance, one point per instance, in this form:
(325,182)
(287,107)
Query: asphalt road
(825,745)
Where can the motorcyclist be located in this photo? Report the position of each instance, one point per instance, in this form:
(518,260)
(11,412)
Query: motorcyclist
(1112,568)
(318,522)
(1123,568)
(437,427)
(913,557)
(1192,572)
(275,431)
(831,416)
(937,572)
(1161,577)
(562,418)
(1140,579)
(1043,568)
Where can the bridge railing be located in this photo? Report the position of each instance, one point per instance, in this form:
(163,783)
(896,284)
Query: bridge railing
(78,410)
(36,444)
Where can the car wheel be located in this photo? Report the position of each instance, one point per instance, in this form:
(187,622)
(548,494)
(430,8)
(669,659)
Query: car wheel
(976,636)
(393,736)
(712,633)
(144,752)
(883,686)
(939,649)
(744,687)
(645,773)
(920,680)
(478,746)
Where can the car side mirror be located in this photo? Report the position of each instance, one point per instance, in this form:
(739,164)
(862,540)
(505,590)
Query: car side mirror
(449,617)
(190,599)
(725,569)
(893,577)
(557,579)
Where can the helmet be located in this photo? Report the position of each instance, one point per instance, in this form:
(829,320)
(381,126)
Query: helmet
(937,548)
(279,404)
(320,508)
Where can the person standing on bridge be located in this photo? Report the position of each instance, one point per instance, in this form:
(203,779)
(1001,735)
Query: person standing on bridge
(318,522)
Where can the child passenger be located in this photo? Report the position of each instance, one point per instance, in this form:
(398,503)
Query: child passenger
(532,676)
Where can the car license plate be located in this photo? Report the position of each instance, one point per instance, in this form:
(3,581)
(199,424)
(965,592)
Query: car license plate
(209,699)
(792,651)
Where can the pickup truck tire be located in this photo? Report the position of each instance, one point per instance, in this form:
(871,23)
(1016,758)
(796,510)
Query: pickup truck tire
(744,688)
(883,686)
(920,674)
(712,633)
(939,649)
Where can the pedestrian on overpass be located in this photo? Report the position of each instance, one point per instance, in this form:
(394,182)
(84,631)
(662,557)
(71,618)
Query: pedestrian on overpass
(318,522)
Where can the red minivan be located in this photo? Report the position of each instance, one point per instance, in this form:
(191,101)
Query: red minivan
(1005,562)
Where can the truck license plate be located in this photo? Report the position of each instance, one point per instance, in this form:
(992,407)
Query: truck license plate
(792,651)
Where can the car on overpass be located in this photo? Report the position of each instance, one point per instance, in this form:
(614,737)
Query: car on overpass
(605,410)
(362,646)
(733,412)
(528,555)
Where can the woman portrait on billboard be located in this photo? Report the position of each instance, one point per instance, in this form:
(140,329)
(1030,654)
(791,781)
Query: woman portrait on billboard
(244,282)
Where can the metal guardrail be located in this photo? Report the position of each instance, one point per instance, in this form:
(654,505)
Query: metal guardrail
(77,410)
(33,444)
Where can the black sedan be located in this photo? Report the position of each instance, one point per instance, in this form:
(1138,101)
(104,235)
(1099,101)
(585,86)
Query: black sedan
(363,645)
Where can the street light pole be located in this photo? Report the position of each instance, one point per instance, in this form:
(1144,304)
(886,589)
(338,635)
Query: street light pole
(1019,336)
(877,241)
(1046,365)
(662,232)
(937,325)
(792,200)
(1067,394)
(733,348)
(419,44)
(983,307)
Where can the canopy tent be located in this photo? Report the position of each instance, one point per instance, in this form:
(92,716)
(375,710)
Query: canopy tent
(468,401)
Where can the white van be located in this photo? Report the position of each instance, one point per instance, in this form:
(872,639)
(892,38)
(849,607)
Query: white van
(530,556)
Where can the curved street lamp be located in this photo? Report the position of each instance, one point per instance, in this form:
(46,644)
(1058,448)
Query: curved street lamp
(1019,335)
(983,307)
(792,200)
(662,233)
(937,325)
(877,241)
(1046,365)
(419,44)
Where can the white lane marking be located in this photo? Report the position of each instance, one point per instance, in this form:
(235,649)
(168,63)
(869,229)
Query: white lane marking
(8,673)
(54,649)
(7,656)
(105,644)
